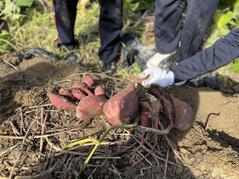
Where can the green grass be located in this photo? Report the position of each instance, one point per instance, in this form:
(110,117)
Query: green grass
(39,31)
(234,67)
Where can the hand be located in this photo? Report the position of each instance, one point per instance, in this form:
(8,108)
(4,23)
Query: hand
(157,76)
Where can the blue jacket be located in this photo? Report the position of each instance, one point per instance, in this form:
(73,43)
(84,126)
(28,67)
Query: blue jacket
(222,52)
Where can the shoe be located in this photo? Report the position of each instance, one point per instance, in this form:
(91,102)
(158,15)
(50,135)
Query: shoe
(68,46)
(165,61)
(128,39)
(40,52)
(108,67)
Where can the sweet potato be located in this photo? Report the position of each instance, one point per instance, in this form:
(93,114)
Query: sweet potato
(88,80)
(64,92)
(155,90)
(144,117)
(144,111)
(67,93)
(61,102)
(81,86)
(156,108)
(184,114)
(78,94)
(122,107)
(155,104)
(99,90)
(168,108)
(90,106)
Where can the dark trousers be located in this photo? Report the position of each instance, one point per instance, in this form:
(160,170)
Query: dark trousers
(221,53)
(170,30)
(110,24)
(65,16)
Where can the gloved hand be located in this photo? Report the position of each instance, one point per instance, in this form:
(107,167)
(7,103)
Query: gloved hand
(157,76)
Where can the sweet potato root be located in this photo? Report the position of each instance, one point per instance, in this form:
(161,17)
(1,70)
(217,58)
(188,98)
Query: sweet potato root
(67,93)
(99,90)
(144,112)
(122,107)
(64,92)
(168,108)
(89,81)
(78,94)
(144,117)
(81,86)
(184,115)
(155,104)
(155,90)
(61,102)
(90,106)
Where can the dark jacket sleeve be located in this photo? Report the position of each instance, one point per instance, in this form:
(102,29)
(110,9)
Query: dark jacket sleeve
(222,52)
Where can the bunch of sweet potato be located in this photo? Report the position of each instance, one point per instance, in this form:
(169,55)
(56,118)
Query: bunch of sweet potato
(132,104)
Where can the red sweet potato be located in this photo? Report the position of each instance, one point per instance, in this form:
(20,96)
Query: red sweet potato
(67,93)
(64,92)
(168,108)
(184,114)
(144,117)
(81,86)
(155,90)
(88,80)
(61,102)
(90,106)
(156,108)
(155,104)
(99,90)
(144,110)
(78,94)
(122,107)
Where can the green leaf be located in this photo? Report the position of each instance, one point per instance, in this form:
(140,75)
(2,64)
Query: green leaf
(224,19)
(24,3)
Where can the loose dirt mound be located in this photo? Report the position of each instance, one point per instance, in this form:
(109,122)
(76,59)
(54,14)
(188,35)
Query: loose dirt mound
(33,133)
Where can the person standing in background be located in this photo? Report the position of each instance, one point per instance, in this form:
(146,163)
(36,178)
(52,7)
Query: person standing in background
(110,26)
(175,37)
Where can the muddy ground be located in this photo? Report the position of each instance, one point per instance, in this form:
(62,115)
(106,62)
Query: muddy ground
(209,150)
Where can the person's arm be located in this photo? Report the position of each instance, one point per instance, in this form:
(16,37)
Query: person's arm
(221,53)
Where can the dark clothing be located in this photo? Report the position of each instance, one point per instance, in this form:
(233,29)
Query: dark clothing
(221,53)
(170,30)
(110,29)
(65,15)
(110,24)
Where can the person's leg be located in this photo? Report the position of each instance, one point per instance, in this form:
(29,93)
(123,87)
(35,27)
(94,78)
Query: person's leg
(65,12)
(167,28)
(72,9)
(198,18)
(110,25)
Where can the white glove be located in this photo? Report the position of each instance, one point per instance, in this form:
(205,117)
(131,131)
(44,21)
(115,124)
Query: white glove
(157,76)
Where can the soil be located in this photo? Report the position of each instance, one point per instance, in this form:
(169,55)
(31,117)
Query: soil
(210,149)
